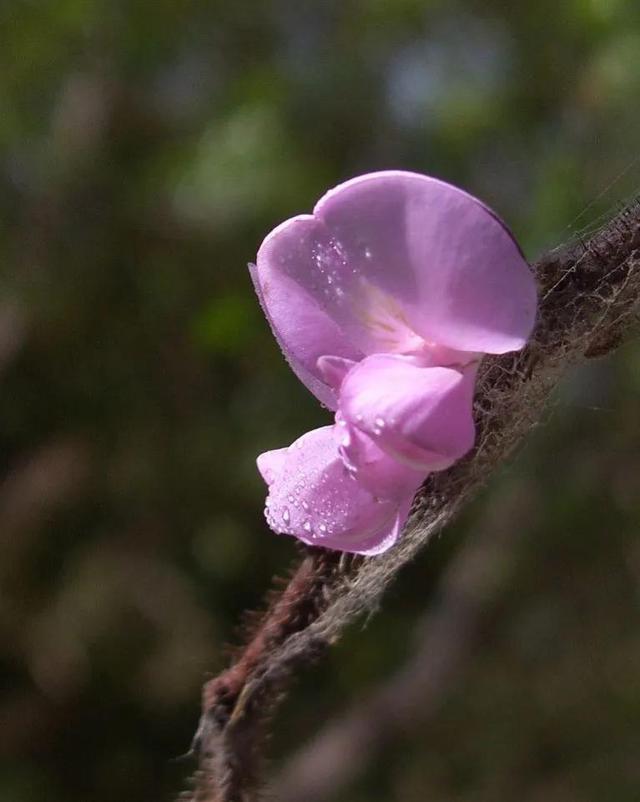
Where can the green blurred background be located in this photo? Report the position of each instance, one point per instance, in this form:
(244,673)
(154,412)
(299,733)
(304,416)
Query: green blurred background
(145,150)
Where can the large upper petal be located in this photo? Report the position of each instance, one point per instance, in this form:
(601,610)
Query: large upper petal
(314,497)
(448,260)
(302,329)
(387,257)
(420,416)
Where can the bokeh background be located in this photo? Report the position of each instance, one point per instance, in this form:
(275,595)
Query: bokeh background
(145,150)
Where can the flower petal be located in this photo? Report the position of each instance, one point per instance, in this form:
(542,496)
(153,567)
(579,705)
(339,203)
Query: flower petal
(374,469)
(384,541)
(298,320)
(389,259)
(317,500)
(334,369)
(271,463)
(421,416)
(440,254)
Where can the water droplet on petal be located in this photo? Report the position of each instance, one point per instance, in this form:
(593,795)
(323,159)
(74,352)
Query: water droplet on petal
(307,526)
(379,422)
(323,528)
(305,506)
(285,515)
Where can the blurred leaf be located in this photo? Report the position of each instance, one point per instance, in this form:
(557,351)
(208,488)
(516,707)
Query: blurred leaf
(227,325)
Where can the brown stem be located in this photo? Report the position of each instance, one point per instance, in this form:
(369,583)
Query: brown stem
(236,704)
(443,641)
(589,295)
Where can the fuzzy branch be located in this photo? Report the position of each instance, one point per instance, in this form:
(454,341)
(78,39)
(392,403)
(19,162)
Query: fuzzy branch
(589,296)
(443,642)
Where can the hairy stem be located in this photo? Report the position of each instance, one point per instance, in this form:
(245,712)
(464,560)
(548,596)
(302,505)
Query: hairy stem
(444,639)
(589,296)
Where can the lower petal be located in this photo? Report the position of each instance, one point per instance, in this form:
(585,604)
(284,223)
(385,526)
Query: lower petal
(316,498)
(382,542)
(271,463)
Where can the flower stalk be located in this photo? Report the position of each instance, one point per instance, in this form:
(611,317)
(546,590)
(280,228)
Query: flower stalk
(589,299)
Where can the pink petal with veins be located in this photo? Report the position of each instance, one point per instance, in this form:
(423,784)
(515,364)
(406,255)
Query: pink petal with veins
(447,260)
(389,259)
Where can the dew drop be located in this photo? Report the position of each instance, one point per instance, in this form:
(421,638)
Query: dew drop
(367,253)
(323,528)
(379,422)
(291,499)
(305,506)
(307,526)
(285,515)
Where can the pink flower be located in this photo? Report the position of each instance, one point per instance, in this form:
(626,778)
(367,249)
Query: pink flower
(384,301)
